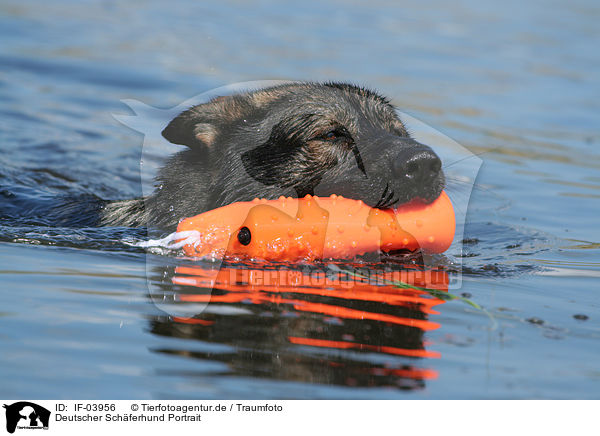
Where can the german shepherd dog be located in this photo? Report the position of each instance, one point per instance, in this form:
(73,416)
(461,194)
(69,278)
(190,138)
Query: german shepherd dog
(293,139)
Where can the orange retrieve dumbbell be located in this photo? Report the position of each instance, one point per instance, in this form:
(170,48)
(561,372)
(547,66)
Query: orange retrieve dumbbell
(313,228)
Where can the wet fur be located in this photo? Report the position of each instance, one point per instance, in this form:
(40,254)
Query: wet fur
(279,141)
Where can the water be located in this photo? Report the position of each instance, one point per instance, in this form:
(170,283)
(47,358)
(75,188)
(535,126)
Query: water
(516,82)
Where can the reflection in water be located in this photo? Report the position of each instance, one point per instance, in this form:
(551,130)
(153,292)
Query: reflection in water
(313,324)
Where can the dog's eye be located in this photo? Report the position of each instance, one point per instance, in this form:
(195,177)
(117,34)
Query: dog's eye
(335,134)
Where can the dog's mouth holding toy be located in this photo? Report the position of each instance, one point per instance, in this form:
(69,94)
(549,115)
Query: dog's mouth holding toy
(315,228)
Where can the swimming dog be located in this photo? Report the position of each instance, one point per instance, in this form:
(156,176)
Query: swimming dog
(293,139)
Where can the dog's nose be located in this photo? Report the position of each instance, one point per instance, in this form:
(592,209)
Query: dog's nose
(417,166)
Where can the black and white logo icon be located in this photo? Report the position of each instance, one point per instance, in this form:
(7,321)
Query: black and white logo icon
(26,415)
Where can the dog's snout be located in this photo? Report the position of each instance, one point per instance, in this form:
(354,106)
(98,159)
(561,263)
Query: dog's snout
(419,166)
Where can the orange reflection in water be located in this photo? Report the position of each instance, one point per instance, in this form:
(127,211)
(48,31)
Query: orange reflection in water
(338,312)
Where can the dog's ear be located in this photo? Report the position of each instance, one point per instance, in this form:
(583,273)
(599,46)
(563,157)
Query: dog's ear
(192,128)
(201,124)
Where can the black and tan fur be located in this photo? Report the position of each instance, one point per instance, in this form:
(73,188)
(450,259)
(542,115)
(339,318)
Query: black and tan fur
(294,139)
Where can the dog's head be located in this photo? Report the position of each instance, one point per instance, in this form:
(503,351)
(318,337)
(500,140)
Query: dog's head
(309,138)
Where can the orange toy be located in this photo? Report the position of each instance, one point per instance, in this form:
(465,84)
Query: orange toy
(312,228)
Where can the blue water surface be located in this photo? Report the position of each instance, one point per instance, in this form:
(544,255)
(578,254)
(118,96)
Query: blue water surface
(515,82)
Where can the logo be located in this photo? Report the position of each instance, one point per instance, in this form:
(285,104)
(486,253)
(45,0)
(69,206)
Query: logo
(460,167)
(26,415)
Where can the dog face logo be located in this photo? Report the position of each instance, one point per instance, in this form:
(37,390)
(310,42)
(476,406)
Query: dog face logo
(26,415)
